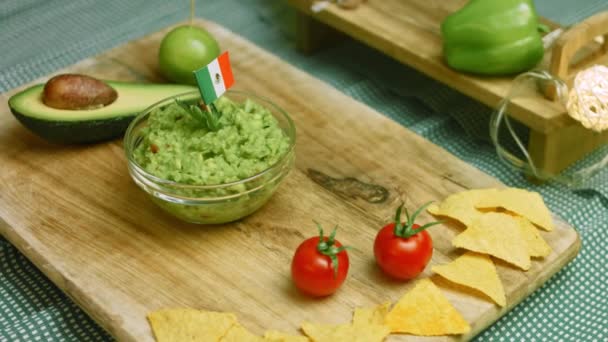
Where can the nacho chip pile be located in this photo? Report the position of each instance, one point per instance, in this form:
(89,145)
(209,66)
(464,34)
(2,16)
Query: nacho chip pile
(184,325)
(367,316)
(367,325)
(476,271)
(496,234)
(346,332)
(461,206)
(521,202)
(537,246)
(425,311)
(501,223)
(237,333)
(278,336)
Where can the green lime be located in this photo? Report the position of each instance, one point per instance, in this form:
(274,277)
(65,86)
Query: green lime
(184,50)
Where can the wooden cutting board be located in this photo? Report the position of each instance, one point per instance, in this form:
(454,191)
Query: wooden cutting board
(75,212)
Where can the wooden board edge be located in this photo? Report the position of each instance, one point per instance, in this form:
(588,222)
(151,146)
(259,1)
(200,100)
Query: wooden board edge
(524,291)
(35,256)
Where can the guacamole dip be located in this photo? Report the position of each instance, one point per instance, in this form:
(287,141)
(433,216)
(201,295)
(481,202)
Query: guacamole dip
(177,146)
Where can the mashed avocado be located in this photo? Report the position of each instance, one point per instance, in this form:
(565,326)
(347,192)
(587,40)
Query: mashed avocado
(176,146)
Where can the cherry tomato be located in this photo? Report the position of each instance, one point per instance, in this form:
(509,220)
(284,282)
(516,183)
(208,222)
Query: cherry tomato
(319,265)
(403,250)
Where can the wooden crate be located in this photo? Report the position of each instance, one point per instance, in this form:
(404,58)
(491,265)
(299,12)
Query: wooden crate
(408,31)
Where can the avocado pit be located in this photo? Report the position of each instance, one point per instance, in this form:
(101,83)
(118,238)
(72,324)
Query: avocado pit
(77,92)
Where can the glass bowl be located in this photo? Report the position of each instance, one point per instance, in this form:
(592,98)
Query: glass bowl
(217,203)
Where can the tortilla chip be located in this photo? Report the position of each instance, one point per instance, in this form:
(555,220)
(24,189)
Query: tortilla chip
(238,333)
(461,206)
(499,235)
(183,325)
(537,246)
(345,332)
(476,271)
(367,316)
(277,336)
(522,202)
(425,311)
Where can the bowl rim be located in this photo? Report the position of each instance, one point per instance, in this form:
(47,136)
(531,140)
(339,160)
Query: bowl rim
(133,165)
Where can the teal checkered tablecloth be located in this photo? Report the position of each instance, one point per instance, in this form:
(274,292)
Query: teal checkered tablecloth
(39,36)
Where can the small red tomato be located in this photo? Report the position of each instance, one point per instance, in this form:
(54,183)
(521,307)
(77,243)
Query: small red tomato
(403,250)
(319,265)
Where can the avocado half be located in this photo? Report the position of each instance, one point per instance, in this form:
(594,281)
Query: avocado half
(92,125)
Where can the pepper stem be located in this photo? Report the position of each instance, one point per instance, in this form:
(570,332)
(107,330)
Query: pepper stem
(543,28)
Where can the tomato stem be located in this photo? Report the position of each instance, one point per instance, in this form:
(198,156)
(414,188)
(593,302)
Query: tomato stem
(328,248)
(406,229)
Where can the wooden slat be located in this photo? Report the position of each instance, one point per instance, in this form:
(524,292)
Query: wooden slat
(409,31)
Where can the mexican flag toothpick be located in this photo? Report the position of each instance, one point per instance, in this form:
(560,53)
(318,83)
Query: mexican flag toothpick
(215,78)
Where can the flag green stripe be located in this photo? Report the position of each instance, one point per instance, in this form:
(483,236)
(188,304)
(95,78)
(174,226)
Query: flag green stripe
(205,85)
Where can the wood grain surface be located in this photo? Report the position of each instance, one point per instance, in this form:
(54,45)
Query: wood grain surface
(75,212)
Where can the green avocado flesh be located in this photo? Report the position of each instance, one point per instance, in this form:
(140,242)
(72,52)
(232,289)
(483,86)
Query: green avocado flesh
(93,125)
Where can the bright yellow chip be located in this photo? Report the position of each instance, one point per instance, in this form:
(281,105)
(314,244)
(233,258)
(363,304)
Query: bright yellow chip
(183,325)
(476,271)
(277,336)
(425,311)
(238,333)
(367,316)
(499,235)
(461,206)
(522,202)
(537,246)
(345,332)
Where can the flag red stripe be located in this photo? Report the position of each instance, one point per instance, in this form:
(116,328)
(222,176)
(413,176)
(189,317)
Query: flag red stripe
(224,63)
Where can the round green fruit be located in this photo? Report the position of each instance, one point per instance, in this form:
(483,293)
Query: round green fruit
(184,50)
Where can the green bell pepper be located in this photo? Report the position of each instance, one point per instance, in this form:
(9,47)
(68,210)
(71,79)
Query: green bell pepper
(493,37)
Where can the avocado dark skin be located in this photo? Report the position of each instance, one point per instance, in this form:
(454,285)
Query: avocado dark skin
(76,132)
